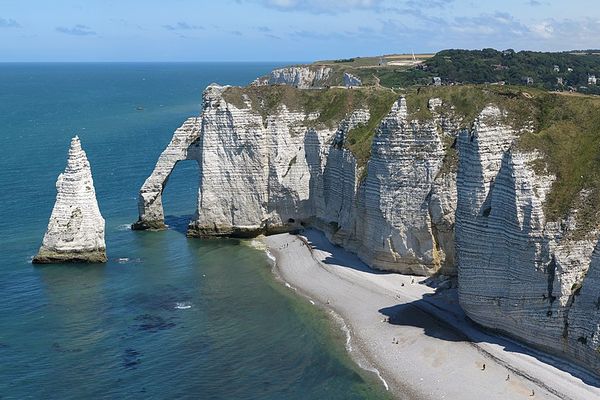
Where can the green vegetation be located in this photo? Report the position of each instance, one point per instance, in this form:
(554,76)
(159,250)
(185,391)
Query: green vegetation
(332,104)
(360,139)
(465,102)
(489,65)
(550,71)
(344,60)
(568,135)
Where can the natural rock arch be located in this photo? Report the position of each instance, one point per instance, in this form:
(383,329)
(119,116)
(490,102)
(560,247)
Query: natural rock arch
(185,145)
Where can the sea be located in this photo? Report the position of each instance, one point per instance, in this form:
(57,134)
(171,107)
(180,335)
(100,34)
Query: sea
(167,317)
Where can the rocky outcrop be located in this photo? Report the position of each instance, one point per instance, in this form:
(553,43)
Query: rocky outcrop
(76,229)
(351,80)
(302,77)
(267,174)
(518,272)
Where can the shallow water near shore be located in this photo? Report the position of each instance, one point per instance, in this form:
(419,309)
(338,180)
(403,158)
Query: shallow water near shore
(167,316)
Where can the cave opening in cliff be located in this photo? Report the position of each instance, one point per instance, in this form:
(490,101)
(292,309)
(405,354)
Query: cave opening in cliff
(180,195)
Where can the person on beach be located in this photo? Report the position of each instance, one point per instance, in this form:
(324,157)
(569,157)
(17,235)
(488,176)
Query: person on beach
(483,367)
(507,377)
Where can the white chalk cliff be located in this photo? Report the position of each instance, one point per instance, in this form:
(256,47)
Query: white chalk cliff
(76,229)
(302,77)
(519,273)
(270,174)
(409,209)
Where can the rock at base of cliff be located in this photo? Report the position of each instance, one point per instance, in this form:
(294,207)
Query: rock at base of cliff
(240,232)
(48,256)
(148,226)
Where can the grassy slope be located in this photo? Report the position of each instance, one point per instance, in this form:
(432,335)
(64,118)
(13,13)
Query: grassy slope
(568,134)
(332,104)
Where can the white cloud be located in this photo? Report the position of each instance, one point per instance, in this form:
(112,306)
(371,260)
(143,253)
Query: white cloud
(543,29)
(9,23)
(322,6)
(77,30)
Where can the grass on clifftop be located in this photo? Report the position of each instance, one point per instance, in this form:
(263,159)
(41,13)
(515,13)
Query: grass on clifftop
(360,139)
(568,135)
(566,131)
(465,102)
(333,105)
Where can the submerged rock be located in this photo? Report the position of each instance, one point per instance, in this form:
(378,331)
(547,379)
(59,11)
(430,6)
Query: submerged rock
(76,228)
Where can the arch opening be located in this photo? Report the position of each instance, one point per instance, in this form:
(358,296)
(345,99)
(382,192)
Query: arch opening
(180,195)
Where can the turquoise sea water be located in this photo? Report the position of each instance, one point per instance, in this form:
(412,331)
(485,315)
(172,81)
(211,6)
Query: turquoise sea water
(181,318)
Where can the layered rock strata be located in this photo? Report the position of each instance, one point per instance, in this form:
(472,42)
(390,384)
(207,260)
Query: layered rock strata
(267,174)
(518,272)
(76,229)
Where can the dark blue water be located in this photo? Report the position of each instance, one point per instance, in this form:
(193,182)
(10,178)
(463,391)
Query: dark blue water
(182,318)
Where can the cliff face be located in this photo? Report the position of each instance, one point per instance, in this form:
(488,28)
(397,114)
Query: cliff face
(270,173)
(518,272)
(76,229)
(272,161)
(302,77)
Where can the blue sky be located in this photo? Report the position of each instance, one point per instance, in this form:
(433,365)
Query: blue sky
(285,30)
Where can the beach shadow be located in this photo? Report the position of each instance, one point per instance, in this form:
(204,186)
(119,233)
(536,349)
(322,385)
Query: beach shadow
(417,314)
(316,240)
(423,313)
(410,315)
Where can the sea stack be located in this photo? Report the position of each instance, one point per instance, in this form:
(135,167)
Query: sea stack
(76,229)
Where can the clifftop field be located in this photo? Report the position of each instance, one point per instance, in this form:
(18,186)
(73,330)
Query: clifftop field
(569,71)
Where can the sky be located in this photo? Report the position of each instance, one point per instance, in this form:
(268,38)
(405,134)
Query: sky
(285,30)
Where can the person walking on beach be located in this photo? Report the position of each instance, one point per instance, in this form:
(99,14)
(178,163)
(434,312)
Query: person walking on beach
(483,367)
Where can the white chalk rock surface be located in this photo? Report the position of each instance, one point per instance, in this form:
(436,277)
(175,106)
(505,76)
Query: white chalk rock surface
(302,77)
(272,173)
(76,229)
(518,272)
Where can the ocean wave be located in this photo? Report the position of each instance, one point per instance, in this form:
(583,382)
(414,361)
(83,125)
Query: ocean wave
(127,260)
(270,256)
(124,227)
(183,305)
(256,243)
